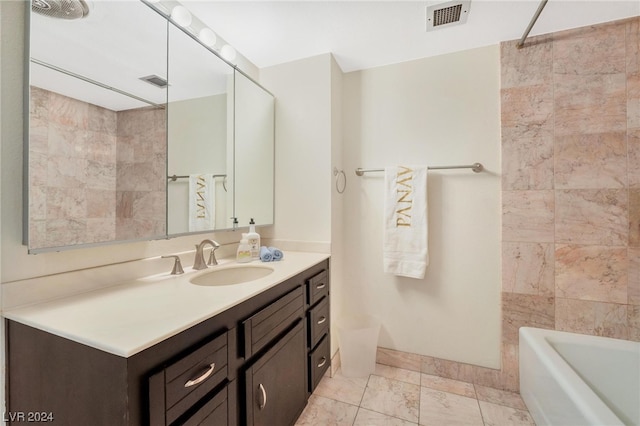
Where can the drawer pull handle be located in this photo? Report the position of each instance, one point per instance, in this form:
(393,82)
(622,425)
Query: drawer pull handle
(322,320)
(323,361)
(262,404)
(202,378)
(321,286)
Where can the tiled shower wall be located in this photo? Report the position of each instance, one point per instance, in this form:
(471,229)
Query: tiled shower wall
(141,173)
(571,182)
(570,106)
(80,156)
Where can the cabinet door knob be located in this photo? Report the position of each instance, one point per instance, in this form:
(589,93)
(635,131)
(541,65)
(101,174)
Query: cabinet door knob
(321,285)
(323,361)
(322,320)
(201,378)
(262,404)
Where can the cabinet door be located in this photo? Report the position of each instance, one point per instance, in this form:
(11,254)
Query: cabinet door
(277,382)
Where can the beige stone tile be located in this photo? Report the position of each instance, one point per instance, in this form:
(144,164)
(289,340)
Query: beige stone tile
(66,172)
(633,289)
(633,45)
(527,67)
(634,217)
(594,50)
(100,203)
(526,105)
(525,310)
(448,369)
(442,408)
(500,397)
(100,230)
(585,161)
(66,203)
(510,367)
(324,411)
(528,268)
(528,216)
(633,145)
(595,318)
(343,389)
(65,232)
(398,359)
(592,216)
(597,273)
(488,377)
(371,418)
(400,374)
(633,101)
(448,385)
(499,415)
(590,103)
(68,112)
(634,322)
(392,397)
(527,162)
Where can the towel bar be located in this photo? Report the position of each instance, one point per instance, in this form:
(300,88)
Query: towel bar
(476,167)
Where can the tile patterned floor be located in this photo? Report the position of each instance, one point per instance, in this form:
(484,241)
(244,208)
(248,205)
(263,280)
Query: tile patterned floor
(393,396)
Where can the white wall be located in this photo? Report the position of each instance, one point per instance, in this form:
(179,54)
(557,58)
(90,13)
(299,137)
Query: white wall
(303,148)
(436,111)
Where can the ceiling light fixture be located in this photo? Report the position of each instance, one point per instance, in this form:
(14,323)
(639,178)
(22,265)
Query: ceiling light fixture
(207,36)
(228,52)
(181,16)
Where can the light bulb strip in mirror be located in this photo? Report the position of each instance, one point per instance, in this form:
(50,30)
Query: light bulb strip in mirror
(189,23)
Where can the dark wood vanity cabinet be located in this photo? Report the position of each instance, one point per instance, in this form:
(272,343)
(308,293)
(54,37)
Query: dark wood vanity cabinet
(319,350)
(253,364)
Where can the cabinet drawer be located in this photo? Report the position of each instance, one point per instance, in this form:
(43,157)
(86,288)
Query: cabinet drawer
(317,287)
(319,361)
(263,327)
(214,412)
(318,321)
(193,376)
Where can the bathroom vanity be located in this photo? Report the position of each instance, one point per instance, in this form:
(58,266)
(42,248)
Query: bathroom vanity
(164,351)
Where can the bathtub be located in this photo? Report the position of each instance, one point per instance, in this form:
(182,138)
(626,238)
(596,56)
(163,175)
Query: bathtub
(574,379)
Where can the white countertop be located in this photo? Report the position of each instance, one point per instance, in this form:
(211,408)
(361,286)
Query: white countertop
(132,316)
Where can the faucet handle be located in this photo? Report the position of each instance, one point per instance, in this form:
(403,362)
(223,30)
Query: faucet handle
(212,255)
(177,265)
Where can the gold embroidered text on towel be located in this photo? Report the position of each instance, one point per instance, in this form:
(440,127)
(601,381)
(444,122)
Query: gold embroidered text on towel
(201,186)
(405,242)
(404,202)
(201,202)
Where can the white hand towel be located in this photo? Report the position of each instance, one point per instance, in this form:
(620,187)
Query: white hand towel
(405,251)
(201,202)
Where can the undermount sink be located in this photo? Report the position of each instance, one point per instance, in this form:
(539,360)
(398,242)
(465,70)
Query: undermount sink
(232,275)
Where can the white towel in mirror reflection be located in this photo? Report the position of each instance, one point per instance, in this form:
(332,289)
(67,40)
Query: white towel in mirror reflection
(202,198)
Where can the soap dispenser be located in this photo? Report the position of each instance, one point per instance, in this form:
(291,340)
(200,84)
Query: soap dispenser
(244,250)
(253,238)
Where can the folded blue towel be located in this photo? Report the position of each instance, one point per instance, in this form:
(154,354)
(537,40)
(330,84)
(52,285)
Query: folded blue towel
(265,254)
(277,253)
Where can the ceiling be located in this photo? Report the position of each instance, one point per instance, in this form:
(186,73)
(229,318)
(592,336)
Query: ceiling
(366,34)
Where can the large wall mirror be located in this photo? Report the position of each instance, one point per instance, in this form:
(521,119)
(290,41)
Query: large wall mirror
(132,125)
(200,138)
(97,130)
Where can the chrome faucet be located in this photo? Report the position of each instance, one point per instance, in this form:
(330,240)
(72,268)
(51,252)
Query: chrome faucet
(198,262)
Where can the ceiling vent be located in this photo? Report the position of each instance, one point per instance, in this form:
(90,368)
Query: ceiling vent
(448,14)
(155,81)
